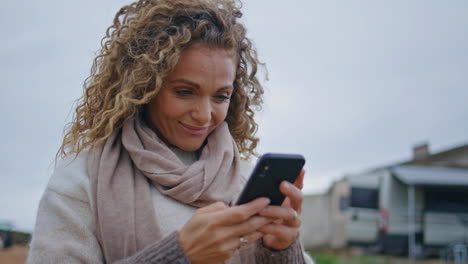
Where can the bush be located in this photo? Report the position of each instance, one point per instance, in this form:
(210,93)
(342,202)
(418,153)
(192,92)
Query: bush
(20,238)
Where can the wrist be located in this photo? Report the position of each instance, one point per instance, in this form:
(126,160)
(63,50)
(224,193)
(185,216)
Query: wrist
(185,246)
(277,246)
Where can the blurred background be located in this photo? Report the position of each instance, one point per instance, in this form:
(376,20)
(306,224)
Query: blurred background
(363,89)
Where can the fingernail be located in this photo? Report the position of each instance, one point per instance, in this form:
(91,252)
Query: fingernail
(286,184)
(295,214)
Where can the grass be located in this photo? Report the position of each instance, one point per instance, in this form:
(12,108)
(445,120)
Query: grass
(330,259)
(344,257)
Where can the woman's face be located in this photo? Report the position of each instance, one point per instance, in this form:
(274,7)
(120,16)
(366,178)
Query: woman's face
(194,99)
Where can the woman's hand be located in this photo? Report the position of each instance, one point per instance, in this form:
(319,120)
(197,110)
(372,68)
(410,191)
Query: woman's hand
(213,233)
(284,230)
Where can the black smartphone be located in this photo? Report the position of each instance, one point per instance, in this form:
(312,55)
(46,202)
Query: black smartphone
(270,171)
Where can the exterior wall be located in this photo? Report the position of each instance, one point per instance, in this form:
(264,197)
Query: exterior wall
(366,180)
(396,202)
(385,194)
(315,229)
(324,221)
(362,225)
(338,214)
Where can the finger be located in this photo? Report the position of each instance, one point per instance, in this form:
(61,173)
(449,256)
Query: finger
(229,245)
(299,182)
(294,195)
(278,212)
(234,243)
(251,238)
(281,232)
(254,236)
(249,226)
(241,213)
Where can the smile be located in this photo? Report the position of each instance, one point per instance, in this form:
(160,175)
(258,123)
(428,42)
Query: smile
(194,130)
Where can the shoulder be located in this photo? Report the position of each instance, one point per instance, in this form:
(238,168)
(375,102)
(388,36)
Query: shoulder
(65,226)
(70,177)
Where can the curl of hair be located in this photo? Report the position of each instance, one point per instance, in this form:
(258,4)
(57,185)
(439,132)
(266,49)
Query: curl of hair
(141,47)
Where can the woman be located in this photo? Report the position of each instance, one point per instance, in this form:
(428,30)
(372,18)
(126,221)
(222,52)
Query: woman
(152,159)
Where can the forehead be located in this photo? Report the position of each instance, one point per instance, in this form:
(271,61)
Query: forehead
(204,52)
(202,63)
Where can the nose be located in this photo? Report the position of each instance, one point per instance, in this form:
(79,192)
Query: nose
(202,111)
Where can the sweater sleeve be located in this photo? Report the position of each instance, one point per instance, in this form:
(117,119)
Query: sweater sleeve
(294,254)
(164,251)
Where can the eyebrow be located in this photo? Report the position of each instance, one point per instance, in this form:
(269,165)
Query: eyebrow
(196,85)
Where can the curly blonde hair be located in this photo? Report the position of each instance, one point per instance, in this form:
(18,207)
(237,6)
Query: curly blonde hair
(141,47)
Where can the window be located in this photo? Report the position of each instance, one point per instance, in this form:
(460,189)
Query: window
(364,198)
(447,200)
(344,203)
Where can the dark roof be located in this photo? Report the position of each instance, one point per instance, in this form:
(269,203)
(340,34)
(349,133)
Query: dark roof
(430,175)
(439,156)
(427,161)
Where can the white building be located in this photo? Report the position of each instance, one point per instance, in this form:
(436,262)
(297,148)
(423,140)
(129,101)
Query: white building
(418,204)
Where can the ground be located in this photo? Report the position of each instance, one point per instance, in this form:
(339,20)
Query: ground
(17,254)
(14,255)
(357,256)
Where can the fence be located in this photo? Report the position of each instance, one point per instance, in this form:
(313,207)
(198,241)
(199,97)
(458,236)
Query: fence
(455,254)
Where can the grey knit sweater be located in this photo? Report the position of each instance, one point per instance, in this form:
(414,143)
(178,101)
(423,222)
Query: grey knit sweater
(65,227)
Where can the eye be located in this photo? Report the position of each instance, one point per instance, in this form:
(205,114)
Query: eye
(183,92)
(223,98)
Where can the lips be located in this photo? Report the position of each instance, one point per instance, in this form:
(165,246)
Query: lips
(194,130)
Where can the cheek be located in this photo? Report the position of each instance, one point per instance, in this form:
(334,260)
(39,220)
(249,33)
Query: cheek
(160,114)
(171,108)
(152,112)
(178,108)
(221,112)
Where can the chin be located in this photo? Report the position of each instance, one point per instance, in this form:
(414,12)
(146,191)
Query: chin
(190,147)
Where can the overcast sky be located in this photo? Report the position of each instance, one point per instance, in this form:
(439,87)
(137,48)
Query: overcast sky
(352,84)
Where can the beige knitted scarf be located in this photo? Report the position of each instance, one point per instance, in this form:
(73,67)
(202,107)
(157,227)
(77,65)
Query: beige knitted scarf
(122,168)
